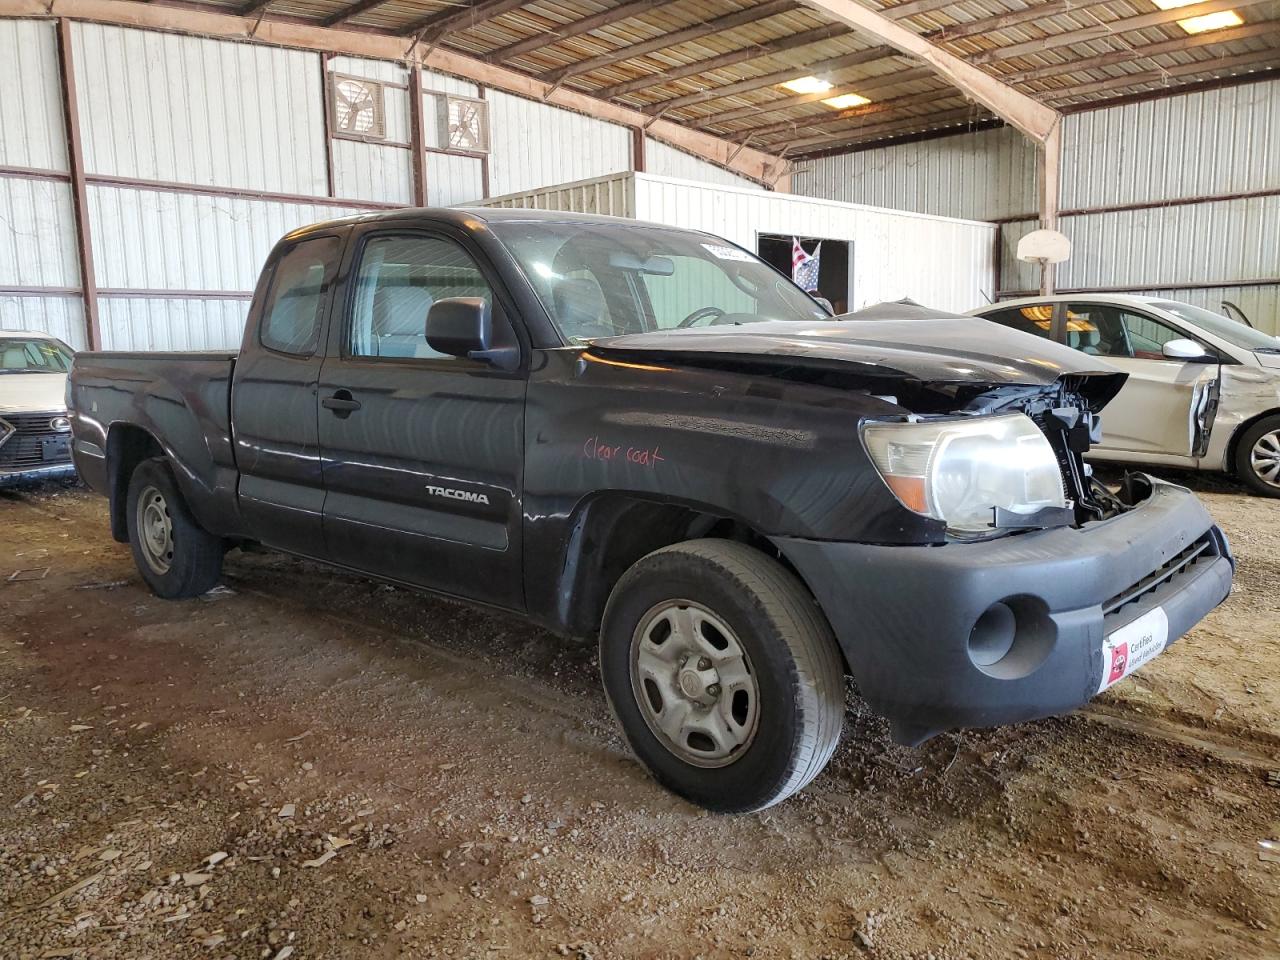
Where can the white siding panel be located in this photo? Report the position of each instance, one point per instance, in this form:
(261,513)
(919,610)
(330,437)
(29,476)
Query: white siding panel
(663,160)
(453,180)
(32,128)
(191,110)
(985,175)
(61,316)
(536,145)
(366,171)
(612,196)
(158,240)
(938,262)
(155,324)
(37,234)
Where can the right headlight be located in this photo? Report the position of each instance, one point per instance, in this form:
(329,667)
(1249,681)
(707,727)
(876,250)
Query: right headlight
(958,471)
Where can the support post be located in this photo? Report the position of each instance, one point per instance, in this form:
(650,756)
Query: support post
(326,93)
(484,158)
(637,149)
(79,195)
(415,135)
(1049,169)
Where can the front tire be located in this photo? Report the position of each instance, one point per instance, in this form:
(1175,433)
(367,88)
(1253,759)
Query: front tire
(723,673)
(175,555)
(1258,457)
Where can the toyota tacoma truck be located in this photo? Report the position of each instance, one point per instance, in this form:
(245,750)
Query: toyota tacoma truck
(649,435)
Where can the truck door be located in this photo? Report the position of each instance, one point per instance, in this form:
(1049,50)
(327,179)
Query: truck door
(1165,407)
(273,397)
(422,452)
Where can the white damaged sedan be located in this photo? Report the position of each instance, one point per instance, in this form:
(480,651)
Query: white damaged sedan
(35,435)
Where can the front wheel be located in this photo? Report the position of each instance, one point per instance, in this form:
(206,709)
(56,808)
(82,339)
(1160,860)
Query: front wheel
(1258,456)
(723,673)
(175,555)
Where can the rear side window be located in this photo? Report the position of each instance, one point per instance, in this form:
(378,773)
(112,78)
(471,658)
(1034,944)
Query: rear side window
(1037,318)
(293,311)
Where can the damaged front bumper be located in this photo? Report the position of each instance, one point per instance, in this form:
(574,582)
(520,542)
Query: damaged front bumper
(993,632)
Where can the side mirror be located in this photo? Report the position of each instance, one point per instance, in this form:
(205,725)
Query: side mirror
(463,327)
(1184,349)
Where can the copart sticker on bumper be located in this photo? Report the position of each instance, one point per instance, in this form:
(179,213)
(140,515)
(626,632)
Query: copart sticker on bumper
(1133,645)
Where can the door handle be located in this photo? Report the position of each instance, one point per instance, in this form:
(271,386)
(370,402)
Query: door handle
(341,403)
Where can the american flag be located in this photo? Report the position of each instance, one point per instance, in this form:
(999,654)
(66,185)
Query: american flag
(804,266)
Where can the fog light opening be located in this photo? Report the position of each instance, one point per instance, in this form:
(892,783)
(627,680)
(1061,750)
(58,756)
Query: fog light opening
(992,636)
(1012,637)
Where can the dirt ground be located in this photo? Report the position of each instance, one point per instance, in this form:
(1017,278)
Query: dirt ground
(307,763)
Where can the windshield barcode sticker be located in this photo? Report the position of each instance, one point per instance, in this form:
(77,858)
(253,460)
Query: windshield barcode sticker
(1133,645)
(727,253)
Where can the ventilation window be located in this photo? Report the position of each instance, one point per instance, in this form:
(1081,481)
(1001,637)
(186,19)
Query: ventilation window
(358,108)
(464,124)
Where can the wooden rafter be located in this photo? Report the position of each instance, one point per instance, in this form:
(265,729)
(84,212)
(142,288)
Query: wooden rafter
(432,28)
(753,52)
(1112,28)
(869,55)
(698,30)
(347,14)
(575,28)
(887,128)
(1265,28)
(1031,117)
(974,27)
(1111,84)
(870,86)
(765,131)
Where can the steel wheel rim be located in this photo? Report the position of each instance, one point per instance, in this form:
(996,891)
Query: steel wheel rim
(694,683)
(1264,458)
(155,530)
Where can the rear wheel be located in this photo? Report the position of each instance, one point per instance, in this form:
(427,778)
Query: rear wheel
(174,554)
(723,673)
(1258,456)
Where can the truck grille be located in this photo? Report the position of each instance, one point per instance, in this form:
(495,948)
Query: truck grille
(25,439)
(1205,550)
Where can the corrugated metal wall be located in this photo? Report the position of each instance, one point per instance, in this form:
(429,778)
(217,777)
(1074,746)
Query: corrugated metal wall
(979,176)
(1214,143)
(663,160)
(535,144)
(157,106)
(942,262)
(200,153)
(37,228)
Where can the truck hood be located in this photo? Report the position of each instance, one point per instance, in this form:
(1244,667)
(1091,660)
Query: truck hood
(959,351)
(32,392)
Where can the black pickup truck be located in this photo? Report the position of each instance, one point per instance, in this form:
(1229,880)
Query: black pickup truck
(649,434)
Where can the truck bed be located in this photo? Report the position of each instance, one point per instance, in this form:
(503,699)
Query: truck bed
(182,400)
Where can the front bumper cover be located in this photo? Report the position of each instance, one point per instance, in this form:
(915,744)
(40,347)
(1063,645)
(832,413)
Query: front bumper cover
(903,615)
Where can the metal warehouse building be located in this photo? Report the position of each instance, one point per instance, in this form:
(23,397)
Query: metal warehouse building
(150,154)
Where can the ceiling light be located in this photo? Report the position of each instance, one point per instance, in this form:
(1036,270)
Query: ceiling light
(846,100)
(1211,21)
(807,85)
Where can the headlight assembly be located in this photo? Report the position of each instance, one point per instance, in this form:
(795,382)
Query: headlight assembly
(958,471)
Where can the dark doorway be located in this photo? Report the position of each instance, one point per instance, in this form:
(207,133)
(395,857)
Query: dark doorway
(834,277)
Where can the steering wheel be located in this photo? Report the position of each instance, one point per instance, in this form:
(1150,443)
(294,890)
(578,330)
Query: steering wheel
(715,313)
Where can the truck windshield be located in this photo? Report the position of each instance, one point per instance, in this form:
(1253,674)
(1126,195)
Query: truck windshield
(33,355)
(1230,330)
(602,280)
